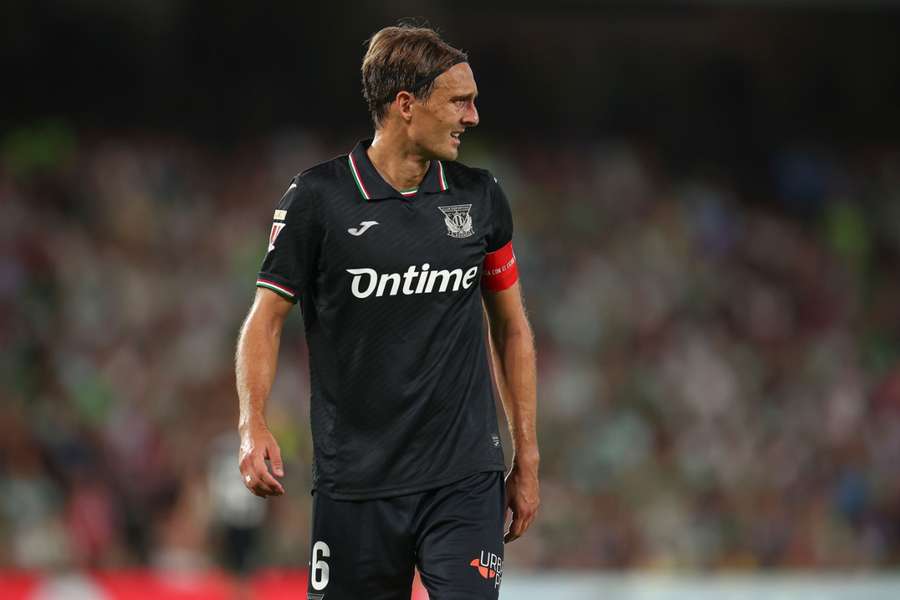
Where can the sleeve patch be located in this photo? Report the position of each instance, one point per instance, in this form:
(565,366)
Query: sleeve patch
(500,269)
(273,235)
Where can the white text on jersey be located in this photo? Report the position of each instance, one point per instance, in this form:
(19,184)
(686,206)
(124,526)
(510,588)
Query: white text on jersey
(366,281)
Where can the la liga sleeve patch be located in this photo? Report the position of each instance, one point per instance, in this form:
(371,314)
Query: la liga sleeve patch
(500,269)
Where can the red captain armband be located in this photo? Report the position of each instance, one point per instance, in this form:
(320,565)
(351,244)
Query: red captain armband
(500,269)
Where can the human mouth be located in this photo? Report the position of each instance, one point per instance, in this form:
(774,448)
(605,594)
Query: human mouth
(455,135)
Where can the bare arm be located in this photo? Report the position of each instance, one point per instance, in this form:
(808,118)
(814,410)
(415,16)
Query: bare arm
(256,360)
(516,374)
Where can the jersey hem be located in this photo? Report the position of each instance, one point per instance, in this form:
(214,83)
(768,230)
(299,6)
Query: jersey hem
(404,490)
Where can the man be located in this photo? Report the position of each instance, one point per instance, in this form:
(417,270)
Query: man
(392,252)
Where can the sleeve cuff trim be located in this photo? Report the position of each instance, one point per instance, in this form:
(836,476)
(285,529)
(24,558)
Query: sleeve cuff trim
(277,288)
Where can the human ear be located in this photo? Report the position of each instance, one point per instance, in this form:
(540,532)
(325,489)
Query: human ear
(404,103)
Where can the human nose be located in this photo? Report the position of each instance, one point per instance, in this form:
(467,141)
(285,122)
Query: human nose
(470,117)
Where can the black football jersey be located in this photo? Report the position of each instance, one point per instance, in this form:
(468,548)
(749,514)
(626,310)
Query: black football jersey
(389,283)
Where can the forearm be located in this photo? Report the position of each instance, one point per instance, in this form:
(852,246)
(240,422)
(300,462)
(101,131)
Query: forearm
(516,378)
(256,361)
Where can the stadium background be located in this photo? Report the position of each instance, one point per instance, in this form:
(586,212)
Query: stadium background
(707,202)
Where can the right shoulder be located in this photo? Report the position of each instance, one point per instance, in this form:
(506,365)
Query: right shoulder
(308,185)
(319,178)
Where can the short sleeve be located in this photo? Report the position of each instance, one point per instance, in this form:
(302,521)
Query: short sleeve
(501,230)
(288,268)
(500,270)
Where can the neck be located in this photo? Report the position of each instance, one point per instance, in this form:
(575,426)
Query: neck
(397,161)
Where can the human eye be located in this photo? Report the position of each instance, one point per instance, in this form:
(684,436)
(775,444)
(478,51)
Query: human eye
(461,101)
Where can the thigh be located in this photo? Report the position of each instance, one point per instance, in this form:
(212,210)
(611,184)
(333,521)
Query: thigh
(460,539)
(360,549)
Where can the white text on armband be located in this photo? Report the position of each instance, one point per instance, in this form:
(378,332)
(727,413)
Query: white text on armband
(502,268)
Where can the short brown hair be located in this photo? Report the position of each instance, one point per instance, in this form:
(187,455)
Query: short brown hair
(401,58)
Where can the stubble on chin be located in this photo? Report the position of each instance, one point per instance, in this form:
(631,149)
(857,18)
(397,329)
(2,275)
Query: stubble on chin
(450,152)
(445,153)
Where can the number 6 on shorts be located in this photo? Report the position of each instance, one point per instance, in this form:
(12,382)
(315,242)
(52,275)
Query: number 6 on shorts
(319,568)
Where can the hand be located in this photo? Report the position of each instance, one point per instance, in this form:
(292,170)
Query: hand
(522,498)
(257,445)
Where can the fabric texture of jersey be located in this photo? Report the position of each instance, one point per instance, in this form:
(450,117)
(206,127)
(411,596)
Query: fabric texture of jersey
(389,283)
(452,534)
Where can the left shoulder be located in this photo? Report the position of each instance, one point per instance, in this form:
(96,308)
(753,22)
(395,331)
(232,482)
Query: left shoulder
(466,176)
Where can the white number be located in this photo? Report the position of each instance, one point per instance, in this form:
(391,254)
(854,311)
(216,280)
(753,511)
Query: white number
(320,567)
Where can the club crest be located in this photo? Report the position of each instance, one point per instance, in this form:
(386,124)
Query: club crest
(458,220)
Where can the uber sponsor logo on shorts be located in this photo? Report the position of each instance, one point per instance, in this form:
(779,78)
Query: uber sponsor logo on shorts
(458,220)
(489,566)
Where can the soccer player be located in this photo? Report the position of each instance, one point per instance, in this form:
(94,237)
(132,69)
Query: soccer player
(395,253)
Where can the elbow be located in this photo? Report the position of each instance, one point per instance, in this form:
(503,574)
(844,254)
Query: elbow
(262,325)
(517,334)
(519,328)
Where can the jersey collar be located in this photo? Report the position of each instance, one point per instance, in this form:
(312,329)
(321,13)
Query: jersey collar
(373,187)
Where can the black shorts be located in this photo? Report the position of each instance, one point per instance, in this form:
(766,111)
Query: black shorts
(367,549)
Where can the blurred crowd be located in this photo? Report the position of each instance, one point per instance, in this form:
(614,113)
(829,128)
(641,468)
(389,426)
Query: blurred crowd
(719,374)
